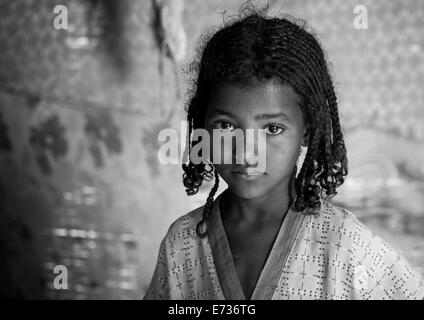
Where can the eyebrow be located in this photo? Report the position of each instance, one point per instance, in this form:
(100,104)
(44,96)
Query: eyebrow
(272,116)
(263,116)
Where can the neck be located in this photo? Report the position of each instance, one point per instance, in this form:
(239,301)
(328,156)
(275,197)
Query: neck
(269,207)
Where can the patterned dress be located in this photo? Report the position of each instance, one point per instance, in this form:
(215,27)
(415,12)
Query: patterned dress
(328,254)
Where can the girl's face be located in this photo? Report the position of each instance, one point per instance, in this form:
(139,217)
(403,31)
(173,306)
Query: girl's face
(269,106)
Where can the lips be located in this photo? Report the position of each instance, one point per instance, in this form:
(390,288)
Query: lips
(249,172)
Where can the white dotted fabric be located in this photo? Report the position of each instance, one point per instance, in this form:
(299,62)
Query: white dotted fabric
(334,256)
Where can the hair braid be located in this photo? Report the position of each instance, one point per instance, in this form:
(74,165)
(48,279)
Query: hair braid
(306,185)
(201,226)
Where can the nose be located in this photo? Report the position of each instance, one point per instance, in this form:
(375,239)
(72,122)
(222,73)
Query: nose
(247,153)
(251,160)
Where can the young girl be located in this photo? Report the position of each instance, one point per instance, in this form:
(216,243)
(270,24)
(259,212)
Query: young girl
(271,234)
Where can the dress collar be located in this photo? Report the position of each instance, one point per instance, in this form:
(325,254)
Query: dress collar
(275,262)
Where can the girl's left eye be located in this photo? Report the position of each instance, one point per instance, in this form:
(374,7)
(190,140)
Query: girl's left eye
(274,129)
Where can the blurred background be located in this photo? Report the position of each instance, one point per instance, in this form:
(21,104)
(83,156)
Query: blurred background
(81,109)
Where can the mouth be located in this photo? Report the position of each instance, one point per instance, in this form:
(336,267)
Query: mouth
(249,173)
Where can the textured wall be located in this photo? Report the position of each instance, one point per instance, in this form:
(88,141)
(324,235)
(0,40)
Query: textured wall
(80,111)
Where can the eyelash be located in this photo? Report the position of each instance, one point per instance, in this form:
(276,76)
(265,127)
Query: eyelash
(281,128)
(217,124)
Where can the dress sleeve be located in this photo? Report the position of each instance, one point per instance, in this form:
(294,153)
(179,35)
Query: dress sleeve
(159,285)
(385,274)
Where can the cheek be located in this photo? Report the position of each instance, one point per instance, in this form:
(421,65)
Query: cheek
(222,169)
(283,151)
(283,146)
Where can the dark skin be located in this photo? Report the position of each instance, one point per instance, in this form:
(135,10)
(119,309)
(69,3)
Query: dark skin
(250,241)
(253,207)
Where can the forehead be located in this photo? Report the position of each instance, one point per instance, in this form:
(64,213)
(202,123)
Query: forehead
(262,97)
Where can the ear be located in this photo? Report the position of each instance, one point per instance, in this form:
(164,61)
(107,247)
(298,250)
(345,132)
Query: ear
(305,137)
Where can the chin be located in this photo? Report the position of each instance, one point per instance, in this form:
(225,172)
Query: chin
(247,190)
(247,194)
(250,188)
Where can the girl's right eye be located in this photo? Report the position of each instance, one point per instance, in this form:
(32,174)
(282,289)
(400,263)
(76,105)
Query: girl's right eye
(224,125)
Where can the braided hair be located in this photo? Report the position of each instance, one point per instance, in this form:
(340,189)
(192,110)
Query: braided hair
(259,48)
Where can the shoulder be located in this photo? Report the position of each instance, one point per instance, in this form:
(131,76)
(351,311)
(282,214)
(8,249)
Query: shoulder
(340,224)
(186,223)
(383,269)
(178,241)
(340,229)
(331,220)
(182,231)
